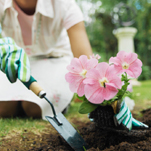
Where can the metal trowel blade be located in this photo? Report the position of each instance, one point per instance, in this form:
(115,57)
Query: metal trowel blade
(67,131)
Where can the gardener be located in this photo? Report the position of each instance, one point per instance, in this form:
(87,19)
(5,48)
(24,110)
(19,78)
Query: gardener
(47,31)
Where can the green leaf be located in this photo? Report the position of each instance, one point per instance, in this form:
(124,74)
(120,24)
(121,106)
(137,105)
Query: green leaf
(81,98)
(87,107)
(104,103)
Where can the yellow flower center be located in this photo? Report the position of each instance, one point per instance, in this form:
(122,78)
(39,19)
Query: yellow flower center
(125,65)
(83,73)
(103,81)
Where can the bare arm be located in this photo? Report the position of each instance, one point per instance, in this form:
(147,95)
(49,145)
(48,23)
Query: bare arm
(80,44)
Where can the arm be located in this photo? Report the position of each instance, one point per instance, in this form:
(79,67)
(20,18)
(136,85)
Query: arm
(80,44)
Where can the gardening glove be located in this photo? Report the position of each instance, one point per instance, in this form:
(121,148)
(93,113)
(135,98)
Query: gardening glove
(91,119)
(125,118)
(13,61)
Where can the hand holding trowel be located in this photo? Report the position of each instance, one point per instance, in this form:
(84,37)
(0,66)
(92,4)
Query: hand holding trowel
(15,64)
(59,122)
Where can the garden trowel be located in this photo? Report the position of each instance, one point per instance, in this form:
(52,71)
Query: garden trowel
(59,122)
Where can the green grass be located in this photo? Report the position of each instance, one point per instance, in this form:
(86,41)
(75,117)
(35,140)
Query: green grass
(142,92)
(142,96)
(9,126)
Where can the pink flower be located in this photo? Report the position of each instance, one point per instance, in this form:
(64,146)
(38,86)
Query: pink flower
(101,83)
(77,73)
(127,62)
(95,56)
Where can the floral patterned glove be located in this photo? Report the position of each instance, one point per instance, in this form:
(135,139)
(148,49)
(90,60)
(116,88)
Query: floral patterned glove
(125,117)
(13,61)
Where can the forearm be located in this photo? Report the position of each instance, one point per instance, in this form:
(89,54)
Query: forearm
(80,44)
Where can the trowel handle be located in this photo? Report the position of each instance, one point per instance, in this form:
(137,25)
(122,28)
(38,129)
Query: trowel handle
(35,87)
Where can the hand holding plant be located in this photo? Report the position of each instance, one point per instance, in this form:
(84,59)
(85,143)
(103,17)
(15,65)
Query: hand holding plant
(99,83)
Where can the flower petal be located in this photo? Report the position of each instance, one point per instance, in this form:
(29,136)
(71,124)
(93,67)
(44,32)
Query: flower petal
(111,71)
(116,81)
(74,81)
(135,67)
(71,77)
(118,69)
(95,56)
(89,81)
(93,74)
(83,60)
(90,89)
(75,66)
(97,97)
(129,73)
(109,92)
(74,86)
(102,68)
(92,63)
(122,55)
(131,57)
(80,90)
(115,61)
(112,77)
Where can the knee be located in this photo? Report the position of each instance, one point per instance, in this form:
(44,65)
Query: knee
(8,108)
(31,109)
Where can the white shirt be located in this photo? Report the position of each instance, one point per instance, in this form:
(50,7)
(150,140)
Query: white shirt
(50,22)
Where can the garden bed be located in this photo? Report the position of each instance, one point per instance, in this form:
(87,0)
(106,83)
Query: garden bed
(98,140)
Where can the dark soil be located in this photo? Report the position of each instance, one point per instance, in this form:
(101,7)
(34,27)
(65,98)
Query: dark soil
(98,139)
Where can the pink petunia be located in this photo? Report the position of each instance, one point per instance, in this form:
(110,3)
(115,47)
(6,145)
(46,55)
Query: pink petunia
(77,72)
(127,62)
(101,83)
(95,56)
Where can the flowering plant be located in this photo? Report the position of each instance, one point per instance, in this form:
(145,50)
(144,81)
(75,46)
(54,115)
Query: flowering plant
(100,83)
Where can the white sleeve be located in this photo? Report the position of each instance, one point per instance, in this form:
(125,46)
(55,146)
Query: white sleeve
(72,14)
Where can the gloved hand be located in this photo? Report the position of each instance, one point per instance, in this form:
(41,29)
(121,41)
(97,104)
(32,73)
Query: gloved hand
(13,61)
(91,119)
(125,117)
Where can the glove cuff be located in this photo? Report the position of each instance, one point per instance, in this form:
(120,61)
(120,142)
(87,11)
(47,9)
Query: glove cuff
(31,80)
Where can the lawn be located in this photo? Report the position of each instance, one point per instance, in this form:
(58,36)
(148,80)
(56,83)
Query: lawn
(12,126)
(142,96)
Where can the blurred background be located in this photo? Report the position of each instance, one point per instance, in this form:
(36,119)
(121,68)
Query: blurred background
(100,24)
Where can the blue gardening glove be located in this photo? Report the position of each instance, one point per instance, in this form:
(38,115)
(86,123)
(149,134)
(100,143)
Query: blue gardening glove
(13,61)
(125,117)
